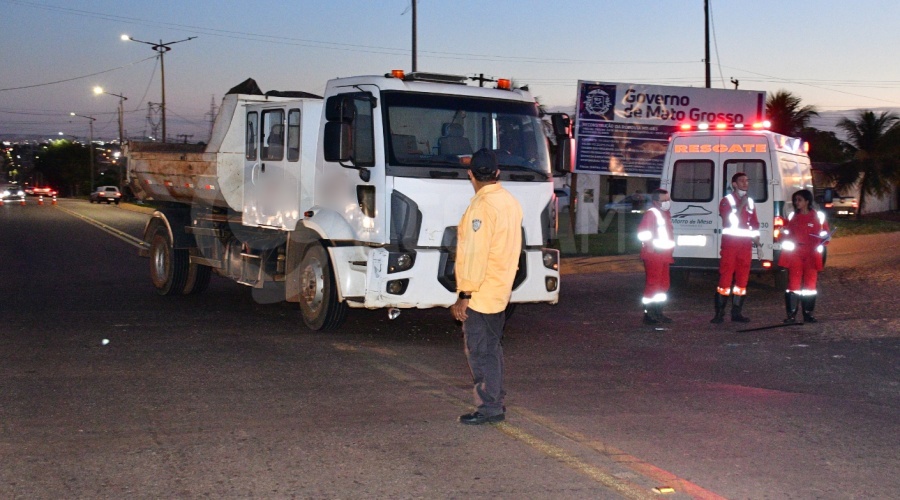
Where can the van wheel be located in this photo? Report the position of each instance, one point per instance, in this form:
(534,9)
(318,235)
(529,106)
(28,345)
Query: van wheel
(168,266)
(318,292)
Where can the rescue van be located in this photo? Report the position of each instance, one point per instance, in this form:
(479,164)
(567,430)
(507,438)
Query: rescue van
(700,161)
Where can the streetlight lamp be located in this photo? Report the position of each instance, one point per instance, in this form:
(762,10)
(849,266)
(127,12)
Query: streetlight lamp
(99,90)
(91,148)
(162,48)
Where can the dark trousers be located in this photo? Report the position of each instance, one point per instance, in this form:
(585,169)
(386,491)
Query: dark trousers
(484,350)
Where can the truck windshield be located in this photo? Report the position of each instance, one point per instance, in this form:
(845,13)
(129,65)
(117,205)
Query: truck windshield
(434,135)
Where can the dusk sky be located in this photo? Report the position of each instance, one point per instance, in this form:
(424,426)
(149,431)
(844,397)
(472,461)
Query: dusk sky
(836,55)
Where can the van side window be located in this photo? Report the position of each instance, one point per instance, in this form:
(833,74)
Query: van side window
(756,172)
(692,180)
(293,138)
(250,137)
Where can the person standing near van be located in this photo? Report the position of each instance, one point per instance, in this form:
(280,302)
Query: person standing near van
(657,245)
(740,233)
(489,242)
(804,238)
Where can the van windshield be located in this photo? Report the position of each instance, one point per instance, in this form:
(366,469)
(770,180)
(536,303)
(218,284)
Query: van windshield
(435,135)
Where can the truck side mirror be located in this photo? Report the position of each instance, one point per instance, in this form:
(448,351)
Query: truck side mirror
(562,124)
(565,155)
(565,145)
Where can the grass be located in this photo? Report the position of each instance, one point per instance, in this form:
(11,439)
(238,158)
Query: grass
(617,236)
(871,224)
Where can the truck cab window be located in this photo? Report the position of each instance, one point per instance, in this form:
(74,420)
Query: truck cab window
(692,180)
(250,136)
(434,135)
(293,138)
(273,138)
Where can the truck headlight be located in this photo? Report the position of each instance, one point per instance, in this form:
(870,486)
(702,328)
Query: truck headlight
(550,258)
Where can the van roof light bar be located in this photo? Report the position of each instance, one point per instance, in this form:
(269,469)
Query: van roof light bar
(763,125)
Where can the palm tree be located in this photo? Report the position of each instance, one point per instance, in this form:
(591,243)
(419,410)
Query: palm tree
(874,142)
(784,112)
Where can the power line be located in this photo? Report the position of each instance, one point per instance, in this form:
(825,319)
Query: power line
(77,77)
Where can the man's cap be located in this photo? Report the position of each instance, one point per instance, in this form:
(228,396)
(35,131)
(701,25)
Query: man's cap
(484,163)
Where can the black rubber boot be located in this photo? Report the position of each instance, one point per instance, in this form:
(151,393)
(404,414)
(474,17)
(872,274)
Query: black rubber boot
(809,305)
(648,315)
(721,301)
(791,304)
(737,303)
(658,314)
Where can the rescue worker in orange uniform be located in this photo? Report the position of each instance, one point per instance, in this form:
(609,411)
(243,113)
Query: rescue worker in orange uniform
(803,244)
(657,246)
(740,233)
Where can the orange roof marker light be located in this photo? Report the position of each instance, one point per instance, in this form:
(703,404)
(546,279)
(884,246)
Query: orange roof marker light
(721,126)
(397,73)
(685,126)
(504,84)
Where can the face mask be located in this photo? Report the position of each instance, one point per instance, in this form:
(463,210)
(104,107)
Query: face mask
(741,193)
(665,205)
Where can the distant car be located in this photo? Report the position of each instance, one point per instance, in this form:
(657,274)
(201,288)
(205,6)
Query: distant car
(40,191)
(108,194)
(843,206)
(636,204)
(12,192)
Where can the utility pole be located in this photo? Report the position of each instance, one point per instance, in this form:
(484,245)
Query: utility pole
(413,35)
(161,48)
(481,79)
(212,116)
(91,148)
(706,29)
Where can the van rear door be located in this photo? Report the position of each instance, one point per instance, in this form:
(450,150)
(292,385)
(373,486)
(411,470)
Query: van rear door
(693,173)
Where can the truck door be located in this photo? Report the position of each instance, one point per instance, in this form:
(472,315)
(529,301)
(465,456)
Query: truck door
(695,188)
(264,177)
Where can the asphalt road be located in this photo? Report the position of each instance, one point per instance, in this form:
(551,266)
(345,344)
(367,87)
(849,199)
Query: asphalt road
(110,391)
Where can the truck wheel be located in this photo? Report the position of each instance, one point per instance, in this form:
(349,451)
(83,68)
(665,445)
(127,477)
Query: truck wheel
(168,266)
(197,279)
(318,295)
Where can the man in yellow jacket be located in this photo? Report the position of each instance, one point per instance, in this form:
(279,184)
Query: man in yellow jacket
(488,245)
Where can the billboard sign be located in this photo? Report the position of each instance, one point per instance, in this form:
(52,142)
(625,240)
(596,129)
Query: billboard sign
(624,128)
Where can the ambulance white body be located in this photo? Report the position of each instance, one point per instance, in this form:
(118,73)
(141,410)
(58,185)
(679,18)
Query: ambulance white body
(697,172)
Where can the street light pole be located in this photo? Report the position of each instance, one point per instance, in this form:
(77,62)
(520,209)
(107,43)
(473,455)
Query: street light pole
(162,48)
(122,99)
(91,148)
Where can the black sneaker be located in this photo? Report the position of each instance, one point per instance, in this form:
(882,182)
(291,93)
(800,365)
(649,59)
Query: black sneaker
(478,418)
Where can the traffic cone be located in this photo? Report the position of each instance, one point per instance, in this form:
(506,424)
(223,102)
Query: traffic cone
(54,200)
(1,202)
(23,202)
(40,200)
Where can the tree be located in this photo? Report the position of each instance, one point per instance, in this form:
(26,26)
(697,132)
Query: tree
(786,115)
(874,142)
(824,146)
(65,165)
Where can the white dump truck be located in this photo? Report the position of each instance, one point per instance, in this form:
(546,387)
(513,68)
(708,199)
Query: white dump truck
(350,200)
